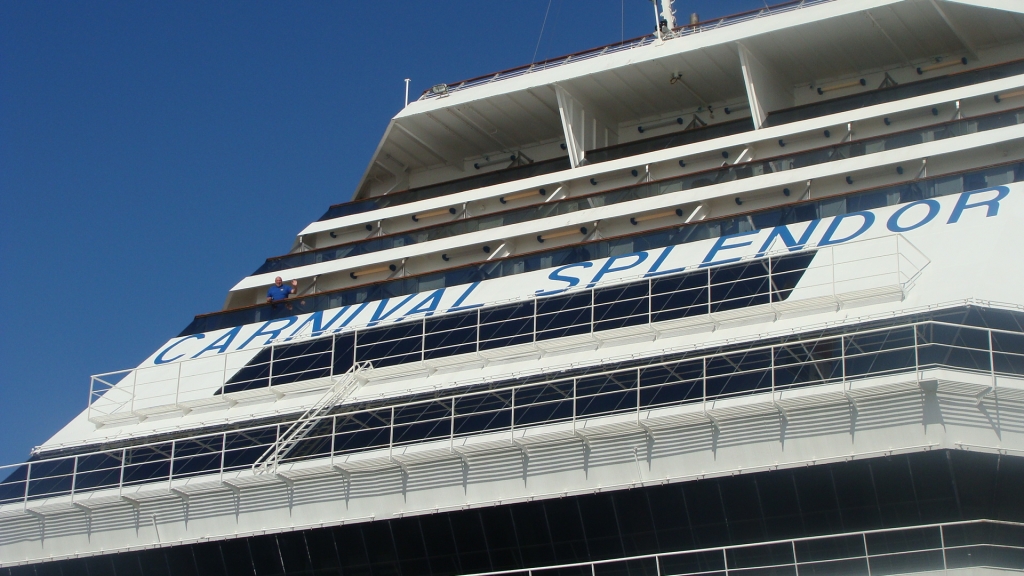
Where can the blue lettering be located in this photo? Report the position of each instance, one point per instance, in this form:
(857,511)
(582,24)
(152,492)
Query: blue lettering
(655,268)
(894,221)
(609,266)
(993,204)
(558,277)
(783,233)
(428,306)
(353,316)
(720,245)
(221,344)
(160,357)
(270,334)
(457,306)
(827,239)
(316,319)
(380,315)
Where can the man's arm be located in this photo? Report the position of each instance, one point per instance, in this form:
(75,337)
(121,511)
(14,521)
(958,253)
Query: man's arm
(295,288)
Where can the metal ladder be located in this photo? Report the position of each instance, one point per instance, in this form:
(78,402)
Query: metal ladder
(342,387)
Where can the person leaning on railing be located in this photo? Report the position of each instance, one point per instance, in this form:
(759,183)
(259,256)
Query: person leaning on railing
(281,292)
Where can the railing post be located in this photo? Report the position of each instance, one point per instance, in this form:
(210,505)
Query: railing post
(28,478)
(170,465)
(917,359)
(842,358)
(867,556)
(334,430)
(391,434)
(650,301)
(270,371)
(477,330)
(512,421)
(704,383)
(120,478)
(223,452)
(942,543)
(423,340)
(451,433)
(573,405)
(334,342)
(796,565)
(74,477)
(991,359)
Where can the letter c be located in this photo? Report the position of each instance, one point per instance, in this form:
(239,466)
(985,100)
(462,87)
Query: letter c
(160,357)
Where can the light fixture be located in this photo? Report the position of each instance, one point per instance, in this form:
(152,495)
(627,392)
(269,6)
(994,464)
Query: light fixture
(518,195)
(638,219)
(366,271)
(941,64)
(439,89)
(841,85)
(432,213)
(563,233)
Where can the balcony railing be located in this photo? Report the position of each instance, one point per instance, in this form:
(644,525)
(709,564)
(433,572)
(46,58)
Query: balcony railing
(755,289)
(638,42)
(741,171)
(915,350)
(931,548)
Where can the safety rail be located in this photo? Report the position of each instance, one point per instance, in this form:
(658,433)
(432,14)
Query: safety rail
(341,389)
(914,350)
(739,171)
(507,265)
(923,548)
(783,283)
(638,42)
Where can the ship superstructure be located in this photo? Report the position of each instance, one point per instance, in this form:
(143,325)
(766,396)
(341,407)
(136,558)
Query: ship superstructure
(739,296)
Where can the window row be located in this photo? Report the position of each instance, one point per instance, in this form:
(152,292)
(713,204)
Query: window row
(786,215)
(737,371)
(820,507)
(697,180)
(702,292)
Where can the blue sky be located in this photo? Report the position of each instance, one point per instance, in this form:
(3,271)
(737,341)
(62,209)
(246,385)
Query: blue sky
(154,153)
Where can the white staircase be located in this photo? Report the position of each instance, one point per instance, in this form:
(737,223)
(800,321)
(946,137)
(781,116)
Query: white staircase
(342,388)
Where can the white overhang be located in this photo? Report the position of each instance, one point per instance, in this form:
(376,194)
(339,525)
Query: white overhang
(826,40)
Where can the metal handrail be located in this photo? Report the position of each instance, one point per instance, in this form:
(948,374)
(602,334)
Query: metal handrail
(941,526)
(637,42)
(221,366)
(221,437)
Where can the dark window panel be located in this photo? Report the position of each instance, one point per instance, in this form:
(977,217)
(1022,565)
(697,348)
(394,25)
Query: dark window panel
(181,560)
(265,555)
(294,553)
(502,540)
(707,515)
(742,509)
(208,559)
(568,534)
(856,495)
(780,506)
(323,556)
(470,542)
(933,485)
(436,531)
(894,486)
(237,557)
(536,547)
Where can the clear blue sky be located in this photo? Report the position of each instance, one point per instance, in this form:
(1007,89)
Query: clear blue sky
(154,153)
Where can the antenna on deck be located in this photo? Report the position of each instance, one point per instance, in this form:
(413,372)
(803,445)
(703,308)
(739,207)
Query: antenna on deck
(406,91)
(668,17)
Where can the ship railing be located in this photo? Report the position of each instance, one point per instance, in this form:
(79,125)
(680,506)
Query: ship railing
(851,274)
(678,32)
(926,548)
(925,351)
(748,169)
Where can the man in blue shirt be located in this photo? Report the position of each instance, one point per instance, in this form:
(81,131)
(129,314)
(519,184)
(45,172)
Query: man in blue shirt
(281,292)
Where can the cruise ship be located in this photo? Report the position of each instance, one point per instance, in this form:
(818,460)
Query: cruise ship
(742,296)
